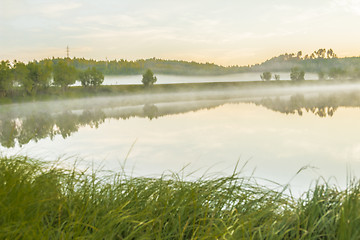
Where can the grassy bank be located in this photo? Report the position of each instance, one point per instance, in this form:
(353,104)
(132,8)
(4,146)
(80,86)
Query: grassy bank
(55,93)
(42,201)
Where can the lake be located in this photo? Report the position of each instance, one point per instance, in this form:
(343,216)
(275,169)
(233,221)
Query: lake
(271,135)
(171,79)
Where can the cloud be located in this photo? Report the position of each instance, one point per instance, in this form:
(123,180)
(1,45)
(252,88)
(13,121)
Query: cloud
(352,6)
(112,20)
(56,9)
(15,9)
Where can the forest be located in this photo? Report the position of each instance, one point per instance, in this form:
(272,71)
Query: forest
(322,61)
(28,79)
(35,76)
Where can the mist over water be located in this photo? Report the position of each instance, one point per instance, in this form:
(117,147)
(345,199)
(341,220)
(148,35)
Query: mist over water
(277,130)
(172,79)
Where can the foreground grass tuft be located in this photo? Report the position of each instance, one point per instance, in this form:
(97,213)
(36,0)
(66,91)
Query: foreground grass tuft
(43,201)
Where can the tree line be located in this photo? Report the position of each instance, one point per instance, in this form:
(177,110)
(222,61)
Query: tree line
(159,66)
(35,76)
(39,75)
(323,61)
(296,74)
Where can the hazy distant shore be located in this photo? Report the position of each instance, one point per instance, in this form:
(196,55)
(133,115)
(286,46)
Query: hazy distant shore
(74,92)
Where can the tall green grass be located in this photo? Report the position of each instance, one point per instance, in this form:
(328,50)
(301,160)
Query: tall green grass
(43,201)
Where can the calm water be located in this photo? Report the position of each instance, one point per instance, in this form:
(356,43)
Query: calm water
(206,132)
(169,79)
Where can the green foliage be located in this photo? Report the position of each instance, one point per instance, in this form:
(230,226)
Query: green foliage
(21,77)
(277,77)
(45,123)
(6,78)
(266,76)
(39,76)
(44,201)
(148,78)
(91,77)
(321,75)
(336,73)
(64,74)
(297,74)
(160,66)
(28,79)
(319,60)
(85,77)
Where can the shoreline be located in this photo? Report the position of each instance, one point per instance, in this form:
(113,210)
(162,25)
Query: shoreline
(78,92)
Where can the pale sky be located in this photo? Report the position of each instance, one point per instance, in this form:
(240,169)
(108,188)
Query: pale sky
(228,32)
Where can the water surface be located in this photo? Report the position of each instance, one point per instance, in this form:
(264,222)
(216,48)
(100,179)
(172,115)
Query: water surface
(275,135)
(171,79)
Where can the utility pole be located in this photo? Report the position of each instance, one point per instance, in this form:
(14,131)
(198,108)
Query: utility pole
(67,51)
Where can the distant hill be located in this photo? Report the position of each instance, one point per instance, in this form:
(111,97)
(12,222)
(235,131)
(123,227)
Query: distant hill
(158,66)
(324,62)
(308,65)
(320,61)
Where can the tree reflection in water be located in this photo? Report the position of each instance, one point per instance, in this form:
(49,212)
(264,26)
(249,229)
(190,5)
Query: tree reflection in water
(324,106)
(39,124)
(43,124)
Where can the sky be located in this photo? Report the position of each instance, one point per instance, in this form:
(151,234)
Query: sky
(228,32)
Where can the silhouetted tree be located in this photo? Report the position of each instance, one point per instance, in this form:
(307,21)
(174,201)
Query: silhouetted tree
(320,53)
(330,53)
(266,76)
(148,78)
(297,74)
(299,54)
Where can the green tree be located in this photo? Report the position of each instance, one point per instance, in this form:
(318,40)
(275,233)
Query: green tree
(321,75)
(6,78)
(21,76)
(64,74)
(355,74)
(97,78)
(91,77)
(266,76)
(39,76)
(277,77)
(148,78)
(299,54)
(85,78)
(320,53)
(297,74)
(330,53)
(336,73)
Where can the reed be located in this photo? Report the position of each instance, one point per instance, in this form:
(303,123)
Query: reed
(44,201)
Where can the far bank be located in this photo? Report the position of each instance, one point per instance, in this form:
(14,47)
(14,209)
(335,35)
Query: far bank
(74,92)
